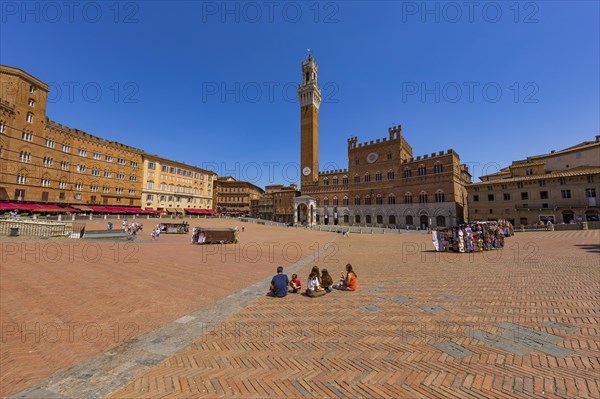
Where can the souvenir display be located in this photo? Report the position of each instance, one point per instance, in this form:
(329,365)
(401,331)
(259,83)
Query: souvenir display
(472,237)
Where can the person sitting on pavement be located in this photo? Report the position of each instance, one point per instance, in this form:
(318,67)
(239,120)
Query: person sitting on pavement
(316,270)
(279,284)
(313,288)
(326,280)
(349,280)
(295,284)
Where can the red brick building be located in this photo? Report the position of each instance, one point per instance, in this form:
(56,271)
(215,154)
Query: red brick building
(384,184)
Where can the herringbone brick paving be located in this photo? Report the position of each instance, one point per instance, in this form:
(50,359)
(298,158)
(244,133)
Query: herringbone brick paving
(65,301)
(379,342)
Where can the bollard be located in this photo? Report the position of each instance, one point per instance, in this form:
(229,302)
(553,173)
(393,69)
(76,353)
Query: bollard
(91,218)
(584,225)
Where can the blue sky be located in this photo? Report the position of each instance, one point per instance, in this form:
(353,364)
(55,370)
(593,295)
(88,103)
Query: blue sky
(213,83)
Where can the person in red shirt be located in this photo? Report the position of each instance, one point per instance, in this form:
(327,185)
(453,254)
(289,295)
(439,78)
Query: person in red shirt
(295,284)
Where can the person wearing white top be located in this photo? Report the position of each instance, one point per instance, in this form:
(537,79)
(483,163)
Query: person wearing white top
(313,288)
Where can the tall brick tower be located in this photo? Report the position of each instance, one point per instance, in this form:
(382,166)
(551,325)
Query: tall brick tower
(309,95)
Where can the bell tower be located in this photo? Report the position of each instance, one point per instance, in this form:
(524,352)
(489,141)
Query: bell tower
(309,95)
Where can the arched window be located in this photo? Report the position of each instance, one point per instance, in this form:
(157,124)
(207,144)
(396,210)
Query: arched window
(345,201)
(392,219)
(390,175)
(325,201)
(409,220)
(378,176)
(422,170)
(335,181)
(423,197)
(440,221)
(407,172)
(438,167)
(439,196)
(356,179)
(367,200)
(408,199)
(356,218)
(379,219)
(391,199)
(326,181)
(378,199)
(335,201)
(357,200)
(345,179)
(367,177)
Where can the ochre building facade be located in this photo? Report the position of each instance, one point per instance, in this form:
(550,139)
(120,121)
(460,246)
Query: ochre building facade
(172,186)
(234,197)
(561,187)
(46,162)
(384,184)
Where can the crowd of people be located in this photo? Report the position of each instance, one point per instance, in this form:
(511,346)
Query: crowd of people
(128,228)
(472,237)
(319,282)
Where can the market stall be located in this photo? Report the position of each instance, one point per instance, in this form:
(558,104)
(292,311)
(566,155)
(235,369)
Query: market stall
(203,235)
(472,237)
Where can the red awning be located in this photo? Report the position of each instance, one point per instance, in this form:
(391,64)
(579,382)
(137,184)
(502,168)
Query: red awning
(116,209)
(7,206)
(53,208)
(201,211)
(35,207)
(99,209)
(20,207)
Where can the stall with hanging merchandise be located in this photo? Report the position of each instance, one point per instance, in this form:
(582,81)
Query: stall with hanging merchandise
(472,237)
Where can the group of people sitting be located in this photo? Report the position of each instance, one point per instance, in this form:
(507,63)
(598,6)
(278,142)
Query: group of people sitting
(319,283)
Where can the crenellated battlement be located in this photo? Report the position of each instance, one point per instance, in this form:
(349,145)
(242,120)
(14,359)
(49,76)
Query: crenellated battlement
(429,157)
(394,135)
(395,132)
(333,172)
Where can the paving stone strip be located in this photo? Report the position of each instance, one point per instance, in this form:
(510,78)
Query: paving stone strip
(107,372)
(453,349)
(561,326)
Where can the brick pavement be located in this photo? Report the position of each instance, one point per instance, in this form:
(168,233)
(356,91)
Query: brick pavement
(521,322)
(65,301)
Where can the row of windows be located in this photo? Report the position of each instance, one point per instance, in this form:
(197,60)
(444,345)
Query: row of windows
(49,143)
(438,168)
(541,183)
(45,182)
(183,172)
(409,219)
(162,198)
(391,199)
(179,189)
(565,194)
(48,162)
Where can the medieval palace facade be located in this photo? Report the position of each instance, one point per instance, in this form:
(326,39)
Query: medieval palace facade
(384,184)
